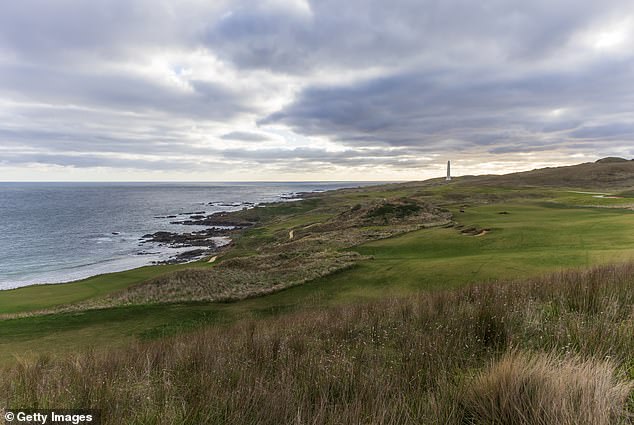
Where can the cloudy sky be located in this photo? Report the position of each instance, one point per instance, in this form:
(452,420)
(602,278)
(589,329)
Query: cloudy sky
(231,90)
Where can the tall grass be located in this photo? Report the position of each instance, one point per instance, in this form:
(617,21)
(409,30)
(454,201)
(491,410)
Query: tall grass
(526,389)
(559,349)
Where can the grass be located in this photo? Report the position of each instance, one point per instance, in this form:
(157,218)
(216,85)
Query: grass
(62,333)
(39,297)
(531,239)
(589,199)
(534,238)
(555,349)
(529,389)
(235,279)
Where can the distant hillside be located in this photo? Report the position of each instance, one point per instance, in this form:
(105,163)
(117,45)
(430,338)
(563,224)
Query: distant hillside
(611,160)
(607,173)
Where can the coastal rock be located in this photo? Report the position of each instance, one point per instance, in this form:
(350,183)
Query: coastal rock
(186,256)
(181,240)
(219,219)
(195,253)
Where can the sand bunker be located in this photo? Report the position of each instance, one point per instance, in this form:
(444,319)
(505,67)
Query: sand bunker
(474,231)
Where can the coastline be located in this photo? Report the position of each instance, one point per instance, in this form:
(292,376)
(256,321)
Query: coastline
(203,236)
(174,249)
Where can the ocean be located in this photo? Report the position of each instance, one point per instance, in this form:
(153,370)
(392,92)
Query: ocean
(60,232)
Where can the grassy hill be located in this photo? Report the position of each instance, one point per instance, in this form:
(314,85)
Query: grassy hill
(608,173)
(305,264)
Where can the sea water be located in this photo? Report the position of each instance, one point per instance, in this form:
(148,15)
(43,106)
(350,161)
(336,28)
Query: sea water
(59,232)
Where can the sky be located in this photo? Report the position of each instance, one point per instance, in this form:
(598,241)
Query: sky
(248,90)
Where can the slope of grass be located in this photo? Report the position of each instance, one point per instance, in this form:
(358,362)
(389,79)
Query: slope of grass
(598,175)
(557,349)
(605,200)
(38,297)
(62,333)
(529,240)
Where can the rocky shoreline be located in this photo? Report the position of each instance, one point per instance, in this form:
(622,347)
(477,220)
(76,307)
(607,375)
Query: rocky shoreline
(220,227)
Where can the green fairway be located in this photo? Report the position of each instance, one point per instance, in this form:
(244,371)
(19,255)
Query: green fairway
(530,239)
(114,327)
(527,237)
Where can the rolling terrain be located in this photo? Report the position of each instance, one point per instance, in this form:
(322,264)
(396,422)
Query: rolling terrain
(607,173)
(349,290)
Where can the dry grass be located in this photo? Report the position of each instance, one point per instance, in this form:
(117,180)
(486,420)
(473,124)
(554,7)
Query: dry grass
(540,389)
(235,279)
(551,350)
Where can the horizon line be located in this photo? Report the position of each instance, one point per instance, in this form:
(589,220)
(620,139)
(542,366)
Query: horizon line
(204,181)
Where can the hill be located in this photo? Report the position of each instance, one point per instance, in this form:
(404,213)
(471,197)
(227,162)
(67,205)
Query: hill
(605,174)
(611,160)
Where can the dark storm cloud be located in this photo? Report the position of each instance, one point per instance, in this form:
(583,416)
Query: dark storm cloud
(389,82)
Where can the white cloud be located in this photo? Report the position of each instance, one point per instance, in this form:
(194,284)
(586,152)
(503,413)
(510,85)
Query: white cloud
(614,36)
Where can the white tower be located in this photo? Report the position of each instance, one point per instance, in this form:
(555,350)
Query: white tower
(448,170)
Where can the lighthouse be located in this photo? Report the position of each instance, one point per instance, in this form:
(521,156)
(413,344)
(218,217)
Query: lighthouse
(448,170)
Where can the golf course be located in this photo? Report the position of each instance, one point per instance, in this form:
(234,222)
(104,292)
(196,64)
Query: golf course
(350,253)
